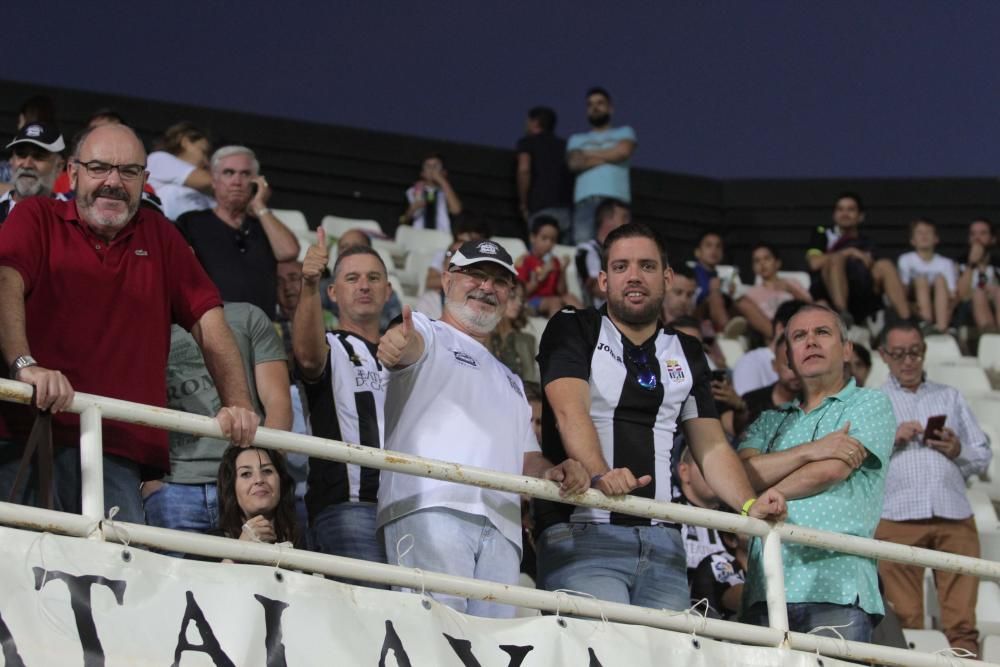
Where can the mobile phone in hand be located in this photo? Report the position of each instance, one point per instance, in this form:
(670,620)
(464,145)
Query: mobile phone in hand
(720,375)
(253,189)
(932,431)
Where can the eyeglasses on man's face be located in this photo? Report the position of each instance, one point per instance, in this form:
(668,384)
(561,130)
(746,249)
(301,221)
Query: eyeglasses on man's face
(98,169)
(899,354)
(501,281)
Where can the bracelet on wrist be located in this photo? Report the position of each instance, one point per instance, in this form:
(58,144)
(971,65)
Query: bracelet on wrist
(745,510)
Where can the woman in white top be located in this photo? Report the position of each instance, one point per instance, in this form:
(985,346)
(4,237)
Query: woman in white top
(929,277)
(179,170)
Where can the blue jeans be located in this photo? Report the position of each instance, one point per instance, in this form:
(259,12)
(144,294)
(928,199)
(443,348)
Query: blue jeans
(456,543)
(640,565)
(121,482)
(190,507)
(584,225)
(349,530)
(804,616)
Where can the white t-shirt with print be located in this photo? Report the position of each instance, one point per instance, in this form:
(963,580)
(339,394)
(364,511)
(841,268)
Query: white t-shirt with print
(912,265)
(456,403)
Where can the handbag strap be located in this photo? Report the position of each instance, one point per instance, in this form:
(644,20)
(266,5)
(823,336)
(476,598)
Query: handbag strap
(40,441)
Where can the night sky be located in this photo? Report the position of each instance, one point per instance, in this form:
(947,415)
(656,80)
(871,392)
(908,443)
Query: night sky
(725,89)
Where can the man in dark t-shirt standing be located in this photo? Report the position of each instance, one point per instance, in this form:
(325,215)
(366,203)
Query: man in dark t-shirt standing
(240,241)
(544,184)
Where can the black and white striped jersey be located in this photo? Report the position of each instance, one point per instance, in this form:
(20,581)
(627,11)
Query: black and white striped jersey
(635,424)
(347,404)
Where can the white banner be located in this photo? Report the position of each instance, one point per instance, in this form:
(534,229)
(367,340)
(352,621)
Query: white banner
(71,601)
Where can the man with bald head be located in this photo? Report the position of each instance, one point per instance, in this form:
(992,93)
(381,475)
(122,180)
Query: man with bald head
(88,291)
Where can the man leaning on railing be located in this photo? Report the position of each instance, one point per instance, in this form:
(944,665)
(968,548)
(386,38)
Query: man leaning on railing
(90,287)
(828,454)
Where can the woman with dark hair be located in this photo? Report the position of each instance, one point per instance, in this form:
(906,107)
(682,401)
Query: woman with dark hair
(515,348)
(179,170)
(256,496)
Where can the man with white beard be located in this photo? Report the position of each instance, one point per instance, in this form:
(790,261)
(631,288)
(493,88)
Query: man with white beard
(449,398)
(35,163)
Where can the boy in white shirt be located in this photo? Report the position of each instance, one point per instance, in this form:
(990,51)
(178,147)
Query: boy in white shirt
(929,277)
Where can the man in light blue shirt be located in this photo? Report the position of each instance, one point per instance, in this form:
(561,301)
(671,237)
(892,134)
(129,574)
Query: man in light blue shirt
(828,454)
(600,160)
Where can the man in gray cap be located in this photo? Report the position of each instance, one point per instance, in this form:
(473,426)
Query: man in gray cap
(449,398)
(35,161)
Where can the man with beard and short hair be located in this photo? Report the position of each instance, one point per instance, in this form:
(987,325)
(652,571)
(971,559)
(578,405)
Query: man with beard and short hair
(240,241)
(449,398)
(600,159)
(91,287)
(35,162)
(617,386)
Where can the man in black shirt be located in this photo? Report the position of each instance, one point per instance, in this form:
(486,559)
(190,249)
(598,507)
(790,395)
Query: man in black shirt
(846,271)
(240,241)
(786,389)
(544,184)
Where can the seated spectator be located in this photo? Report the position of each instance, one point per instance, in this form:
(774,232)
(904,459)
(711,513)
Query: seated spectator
(508,343)
(354,238)
(722,299)
(179,170)
(925,502)
(680,297)
(929,277)
(542,273)
(465,229)
(240,241)
(690,488)
(786,388)
(186,498)
(979,278)
(755,369)
(36,109)
(35,160)
(846,272)
(770,291)
(720,576)
(432,193)
(256,497)
(609,216)
(544,184)
(861,364)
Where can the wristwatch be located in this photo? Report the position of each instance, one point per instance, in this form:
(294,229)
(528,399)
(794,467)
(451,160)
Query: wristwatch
(20,364)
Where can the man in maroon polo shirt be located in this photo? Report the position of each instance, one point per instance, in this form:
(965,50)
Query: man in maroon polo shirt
(89,287)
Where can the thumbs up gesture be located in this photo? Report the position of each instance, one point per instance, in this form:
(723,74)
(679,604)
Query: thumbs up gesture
(316,259)
(400,345)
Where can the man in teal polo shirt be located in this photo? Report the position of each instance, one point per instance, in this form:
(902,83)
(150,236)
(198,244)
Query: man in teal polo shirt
(828,454)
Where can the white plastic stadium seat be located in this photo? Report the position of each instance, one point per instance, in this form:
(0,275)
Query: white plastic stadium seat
(940,348)
(573,280)
(982,510)
(989,353)
(514,246)
(967,379)
(414,271)
(335,226)
(294,220)
(988,608)
(422,239)
(925,641)
(990,649)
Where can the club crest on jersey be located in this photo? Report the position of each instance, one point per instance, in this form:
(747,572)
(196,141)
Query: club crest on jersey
(674,370)
(464,358)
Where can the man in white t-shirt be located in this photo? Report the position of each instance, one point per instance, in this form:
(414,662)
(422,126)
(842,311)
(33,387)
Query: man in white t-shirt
(449,398)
